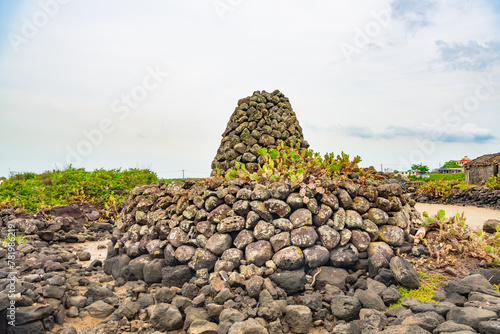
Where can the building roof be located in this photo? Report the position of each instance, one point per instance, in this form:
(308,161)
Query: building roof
(485,160)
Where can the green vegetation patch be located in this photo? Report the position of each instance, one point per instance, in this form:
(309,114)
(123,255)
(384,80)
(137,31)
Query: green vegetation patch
(105,188)
(442,188)
(293,164)
(19,239)
(448,239)
(448,176)
(438,177)
(428,286)
(493,182)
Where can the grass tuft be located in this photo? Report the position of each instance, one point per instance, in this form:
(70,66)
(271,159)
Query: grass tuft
(428,286)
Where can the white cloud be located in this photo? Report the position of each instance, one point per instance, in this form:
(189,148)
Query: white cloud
(63,81)
(444,133)
(413,14)
(470,56)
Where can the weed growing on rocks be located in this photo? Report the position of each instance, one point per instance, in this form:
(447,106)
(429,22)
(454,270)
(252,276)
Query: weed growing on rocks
(429,284)
(450,238)
(19,239)
(292,163)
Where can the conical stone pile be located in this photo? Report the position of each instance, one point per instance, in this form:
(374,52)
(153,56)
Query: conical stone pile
(260,120)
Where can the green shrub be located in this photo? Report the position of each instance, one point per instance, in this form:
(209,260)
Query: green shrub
(493,182)
(439,177)
(105,188)
(450,176)
(441,188)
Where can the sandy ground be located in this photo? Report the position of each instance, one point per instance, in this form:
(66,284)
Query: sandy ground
(475,216)
(95,248)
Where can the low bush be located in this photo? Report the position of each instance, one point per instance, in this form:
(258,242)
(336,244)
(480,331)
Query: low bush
(448,239)
(493,182)
(441,188)
(449,176)
(106,188)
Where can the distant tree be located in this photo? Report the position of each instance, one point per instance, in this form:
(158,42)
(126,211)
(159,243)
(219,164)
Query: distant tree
(451,164)
(420,167)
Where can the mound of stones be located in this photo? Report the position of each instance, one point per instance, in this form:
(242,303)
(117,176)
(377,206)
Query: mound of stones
(261,120)
(59,224)
(236,235)
(58,290)
(241,225)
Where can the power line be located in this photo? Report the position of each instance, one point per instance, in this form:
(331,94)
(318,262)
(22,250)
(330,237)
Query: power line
(181,170)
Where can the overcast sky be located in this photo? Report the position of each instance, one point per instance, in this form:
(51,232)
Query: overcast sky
(152,84)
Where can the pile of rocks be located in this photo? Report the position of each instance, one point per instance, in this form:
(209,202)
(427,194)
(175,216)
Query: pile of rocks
(53,288)
(61,223)
(227,239)
(260,120)
(161,290)
(218,225)
(34,276)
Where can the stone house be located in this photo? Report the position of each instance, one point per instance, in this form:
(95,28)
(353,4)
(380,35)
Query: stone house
(481,169)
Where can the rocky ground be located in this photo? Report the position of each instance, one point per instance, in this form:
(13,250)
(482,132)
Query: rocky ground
(61,286)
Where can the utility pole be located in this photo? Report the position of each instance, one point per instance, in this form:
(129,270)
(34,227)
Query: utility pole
(382,168)
(183,174)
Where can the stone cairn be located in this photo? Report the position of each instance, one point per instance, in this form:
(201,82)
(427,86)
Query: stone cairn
(238,256)
(260,120)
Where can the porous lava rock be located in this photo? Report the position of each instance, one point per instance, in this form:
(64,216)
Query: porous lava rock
(261,120)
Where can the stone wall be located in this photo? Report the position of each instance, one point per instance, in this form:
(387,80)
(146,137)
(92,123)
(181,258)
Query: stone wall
(260,120)
(247,227)
(480,174)
(476,196)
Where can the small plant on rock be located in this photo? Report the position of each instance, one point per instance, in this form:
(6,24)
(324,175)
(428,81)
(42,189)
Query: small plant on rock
(429,285)
(19,239)
(291,163)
